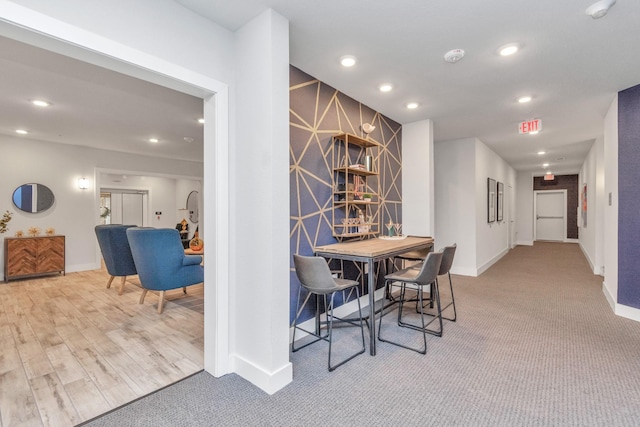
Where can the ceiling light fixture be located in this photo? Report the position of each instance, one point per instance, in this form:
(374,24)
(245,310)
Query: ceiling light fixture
(201,121)
(599,8)
(412,105)
(40,103)
(386,87)
(21,131)
(545,165)
(348,60)
(540,153)
(508,49)
(524,99)
(154,140)
(454,55)
(188,139)
(533,132)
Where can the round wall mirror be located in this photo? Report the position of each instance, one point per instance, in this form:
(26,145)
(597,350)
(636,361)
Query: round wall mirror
(192,206)
(33,198)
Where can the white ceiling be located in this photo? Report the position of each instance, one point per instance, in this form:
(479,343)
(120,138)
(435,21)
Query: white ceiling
(95,107)
(571,64)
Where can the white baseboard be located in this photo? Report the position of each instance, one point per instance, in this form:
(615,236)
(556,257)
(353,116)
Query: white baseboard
(620,309)
(571,241)
(269,381)
(525,242)
(492,261)
(82,267)
(463,271)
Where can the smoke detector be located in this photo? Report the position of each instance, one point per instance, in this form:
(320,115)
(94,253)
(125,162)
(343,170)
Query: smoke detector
(454,55)
(599,8)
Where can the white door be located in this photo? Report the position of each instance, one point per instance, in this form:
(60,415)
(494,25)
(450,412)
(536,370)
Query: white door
(132,209)
(550,215)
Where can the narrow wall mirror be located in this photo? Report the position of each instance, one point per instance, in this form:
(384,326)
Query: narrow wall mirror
(33,198)
(192,206)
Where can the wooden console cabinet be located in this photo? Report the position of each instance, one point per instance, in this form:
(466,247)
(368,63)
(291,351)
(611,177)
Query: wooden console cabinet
(33,256)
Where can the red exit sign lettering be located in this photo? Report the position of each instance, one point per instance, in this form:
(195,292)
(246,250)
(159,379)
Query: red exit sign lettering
(530,126)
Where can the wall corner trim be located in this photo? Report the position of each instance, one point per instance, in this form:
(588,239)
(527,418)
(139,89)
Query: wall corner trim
(269,382)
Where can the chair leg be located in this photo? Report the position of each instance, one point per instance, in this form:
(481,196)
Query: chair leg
(295,323)
(452,303)
(122,282)
(423,329)
(110,280)
(144,294)
(330,313)
(161,302)
(184,290)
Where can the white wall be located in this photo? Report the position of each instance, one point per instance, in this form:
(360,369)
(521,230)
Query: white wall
(590,237)
(462,168)
(524,208)
(75,212)
(455,207)
(195,55)
(418,213)
(260,204)
(492,238)
(610,285)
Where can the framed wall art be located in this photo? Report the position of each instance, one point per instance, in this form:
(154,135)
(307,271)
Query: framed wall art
(491,200)
(500,204)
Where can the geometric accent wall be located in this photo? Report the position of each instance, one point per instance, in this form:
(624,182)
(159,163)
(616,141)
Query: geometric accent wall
(317,112)
(629,197)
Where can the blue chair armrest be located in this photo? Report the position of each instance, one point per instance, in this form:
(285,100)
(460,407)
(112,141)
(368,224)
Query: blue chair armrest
(192,260)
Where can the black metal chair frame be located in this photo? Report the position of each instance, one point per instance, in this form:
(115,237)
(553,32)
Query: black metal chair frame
(330,317)
(418,278)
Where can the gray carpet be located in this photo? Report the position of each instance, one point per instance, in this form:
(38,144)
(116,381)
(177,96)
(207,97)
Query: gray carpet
(535,344)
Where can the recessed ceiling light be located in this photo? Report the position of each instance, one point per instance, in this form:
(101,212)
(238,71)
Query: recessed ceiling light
(348,60)
(386,87)
(412,105)
(201,120)
(188,139)
(533,132)
(545,165)
(21,131)
(154,140)
(599,8)
(540,153)
(524,99)
(508,49)
(40,103)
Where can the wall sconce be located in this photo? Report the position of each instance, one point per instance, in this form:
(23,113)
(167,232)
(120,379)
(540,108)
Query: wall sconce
(83,183)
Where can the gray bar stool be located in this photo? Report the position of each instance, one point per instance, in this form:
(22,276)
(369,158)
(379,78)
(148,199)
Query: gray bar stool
(425,276)
(316,278)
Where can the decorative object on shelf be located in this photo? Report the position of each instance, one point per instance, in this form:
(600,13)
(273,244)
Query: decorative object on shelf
(19,233)
(50,231)
(368,128)
(367,197)
(33,198)
(368,163)
(6,217)
(196,244)
(33,231)
(390,229)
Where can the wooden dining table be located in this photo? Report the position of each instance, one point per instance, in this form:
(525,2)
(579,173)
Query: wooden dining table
(371,251)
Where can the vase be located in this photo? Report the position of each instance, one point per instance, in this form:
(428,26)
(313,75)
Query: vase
(196,244)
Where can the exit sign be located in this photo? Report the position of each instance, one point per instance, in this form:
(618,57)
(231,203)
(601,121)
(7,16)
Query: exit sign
(530,126)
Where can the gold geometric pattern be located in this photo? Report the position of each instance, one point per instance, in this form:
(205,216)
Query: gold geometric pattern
(317,112)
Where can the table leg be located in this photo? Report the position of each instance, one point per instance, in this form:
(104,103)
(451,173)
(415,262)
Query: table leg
(372,308)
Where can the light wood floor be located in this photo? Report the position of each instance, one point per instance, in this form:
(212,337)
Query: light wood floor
(70,349)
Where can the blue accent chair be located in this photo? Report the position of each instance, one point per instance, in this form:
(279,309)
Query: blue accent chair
(116,252)
(161,262)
